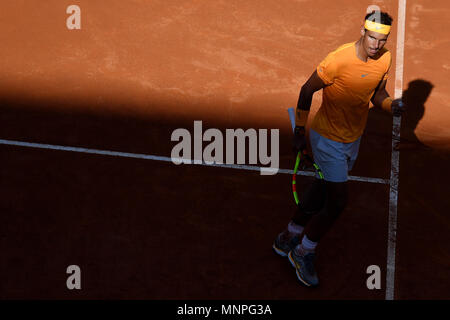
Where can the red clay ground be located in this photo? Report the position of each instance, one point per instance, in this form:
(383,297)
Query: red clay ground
(150,230)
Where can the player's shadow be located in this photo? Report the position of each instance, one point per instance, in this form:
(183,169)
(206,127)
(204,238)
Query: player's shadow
(414,98)
(376,145)
(423,202)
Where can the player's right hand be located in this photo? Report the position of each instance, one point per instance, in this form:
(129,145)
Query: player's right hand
(398,107)
(299,140)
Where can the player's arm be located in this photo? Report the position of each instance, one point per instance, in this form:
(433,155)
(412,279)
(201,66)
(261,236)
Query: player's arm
(313,84)
(380,96)
(381,99)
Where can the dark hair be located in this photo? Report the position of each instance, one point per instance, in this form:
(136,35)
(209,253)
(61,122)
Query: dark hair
(380,17)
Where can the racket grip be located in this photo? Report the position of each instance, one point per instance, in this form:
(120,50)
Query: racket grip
(291,112)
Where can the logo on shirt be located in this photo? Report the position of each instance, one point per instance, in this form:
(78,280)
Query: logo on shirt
(363,75)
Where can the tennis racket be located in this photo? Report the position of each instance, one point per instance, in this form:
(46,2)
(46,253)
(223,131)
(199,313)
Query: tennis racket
(305,155)
(294,176)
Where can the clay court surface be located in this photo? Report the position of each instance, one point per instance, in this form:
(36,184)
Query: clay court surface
(146,229)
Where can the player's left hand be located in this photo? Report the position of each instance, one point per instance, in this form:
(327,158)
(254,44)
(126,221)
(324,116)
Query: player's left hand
(306,161)
(398,107)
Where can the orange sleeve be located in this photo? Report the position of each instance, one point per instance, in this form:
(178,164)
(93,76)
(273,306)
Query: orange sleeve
(327,69)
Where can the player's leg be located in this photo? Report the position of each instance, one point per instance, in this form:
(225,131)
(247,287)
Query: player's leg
(337,192)
(334,160)
(302,257)
(311,201)
(337,196)
(337,200)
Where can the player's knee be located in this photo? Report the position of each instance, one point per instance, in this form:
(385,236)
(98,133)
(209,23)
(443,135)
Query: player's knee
(314,198)
(337,198)
(341,203)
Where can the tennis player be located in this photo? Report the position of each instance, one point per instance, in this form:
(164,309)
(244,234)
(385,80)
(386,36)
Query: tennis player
(351,77)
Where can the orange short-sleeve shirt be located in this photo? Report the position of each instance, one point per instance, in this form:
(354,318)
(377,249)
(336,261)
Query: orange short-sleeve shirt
(351,84)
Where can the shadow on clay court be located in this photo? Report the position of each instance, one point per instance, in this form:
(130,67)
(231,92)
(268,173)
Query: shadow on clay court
(149,230)
(423,207)
(138,229)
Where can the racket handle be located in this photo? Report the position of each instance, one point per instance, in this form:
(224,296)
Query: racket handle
(291,112)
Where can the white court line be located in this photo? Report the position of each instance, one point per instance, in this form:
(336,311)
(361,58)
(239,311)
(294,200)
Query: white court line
(167,159)
(395,159)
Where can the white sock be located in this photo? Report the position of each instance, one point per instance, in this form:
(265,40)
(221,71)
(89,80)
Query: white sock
(295,228)
(307,246)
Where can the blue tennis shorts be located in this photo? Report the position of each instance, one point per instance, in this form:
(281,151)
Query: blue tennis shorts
(335,159)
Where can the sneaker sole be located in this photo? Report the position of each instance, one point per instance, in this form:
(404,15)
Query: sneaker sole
(279,251)
(291,260)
